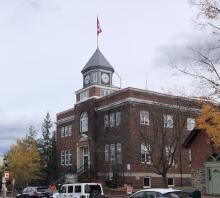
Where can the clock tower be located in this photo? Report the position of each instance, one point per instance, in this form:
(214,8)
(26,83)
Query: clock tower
(97,78)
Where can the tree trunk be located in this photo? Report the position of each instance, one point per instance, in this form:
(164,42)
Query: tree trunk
(165,183)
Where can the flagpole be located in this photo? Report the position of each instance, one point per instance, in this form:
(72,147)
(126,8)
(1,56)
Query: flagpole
(97,40)
(97,34)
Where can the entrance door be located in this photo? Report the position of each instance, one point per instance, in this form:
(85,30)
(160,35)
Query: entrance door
(216,180)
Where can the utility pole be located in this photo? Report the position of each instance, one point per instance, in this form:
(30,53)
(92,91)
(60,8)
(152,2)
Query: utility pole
(4,180)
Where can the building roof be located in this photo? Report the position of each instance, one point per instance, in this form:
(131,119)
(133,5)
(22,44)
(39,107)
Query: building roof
(97,61)
(189,139)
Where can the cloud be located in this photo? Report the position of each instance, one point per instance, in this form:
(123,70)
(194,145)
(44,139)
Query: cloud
(181,50)
(14,125)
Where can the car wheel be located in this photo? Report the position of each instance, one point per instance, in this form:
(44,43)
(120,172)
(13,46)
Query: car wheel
(95,194)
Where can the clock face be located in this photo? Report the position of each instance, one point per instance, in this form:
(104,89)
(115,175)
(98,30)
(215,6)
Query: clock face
(105,78)
(87,79)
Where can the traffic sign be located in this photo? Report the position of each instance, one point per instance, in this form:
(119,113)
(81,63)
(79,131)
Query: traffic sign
(7,174)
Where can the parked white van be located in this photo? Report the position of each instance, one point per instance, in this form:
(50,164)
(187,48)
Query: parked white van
(81,190)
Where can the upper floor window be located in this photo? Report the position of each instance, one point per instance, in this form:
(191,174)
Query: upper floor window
(114,119)
(168,120)
(66,131)
(83,95)
(113,153)
(145,154)
(144,118)
(191,123)
(84,122)
(94,77)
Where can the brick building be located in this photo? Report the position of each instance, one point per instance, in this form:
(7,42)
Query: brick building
(108,134)
(205,165)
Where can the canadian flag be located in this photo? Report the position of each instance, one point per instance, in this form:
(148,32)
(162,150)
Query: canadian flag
(99,30)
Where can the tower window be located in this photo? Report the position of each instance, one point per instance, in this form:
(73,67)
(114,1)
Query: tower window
(94,77)
(105,92)
(83,95)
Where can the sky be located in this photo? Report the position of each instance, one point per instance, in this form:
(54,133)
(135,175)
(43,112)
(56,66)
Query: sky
(44,44)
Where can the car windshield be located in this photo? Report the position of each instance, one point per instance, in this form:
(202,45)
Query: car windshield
(176,194)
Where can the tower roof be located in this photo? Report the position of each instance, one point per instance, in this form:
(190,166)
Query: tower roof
(97,61)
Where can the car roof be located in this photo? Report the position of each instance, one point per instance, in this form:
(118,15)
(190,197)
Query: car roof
(84,184)
(160,190)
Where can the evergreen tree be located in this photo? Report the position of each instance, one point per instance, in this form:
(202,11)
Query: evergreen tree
(47,149)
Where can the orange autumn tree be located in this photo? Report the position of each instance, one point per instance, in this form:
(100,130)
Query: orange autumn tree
(210,121)
(24,161)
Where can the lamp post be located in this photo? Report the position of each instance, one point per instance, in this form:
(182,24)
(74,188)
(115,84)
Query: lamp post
(4,180)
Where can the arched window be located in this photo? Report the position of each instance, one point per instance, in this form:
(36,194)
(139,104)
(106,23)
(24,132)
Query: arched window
(84,122)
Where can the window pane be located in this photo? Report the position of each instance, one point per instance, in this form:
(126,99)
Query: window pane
(147,181)
(168,121)
(106,121)
(106,153)
(77,189)
(145,154)
(112,151)
(62,132)
(62,157)
(84,122)
(191,122)
(144,118)
(112,119)
(118,118)
(70,189)
(118,147)
(170,181)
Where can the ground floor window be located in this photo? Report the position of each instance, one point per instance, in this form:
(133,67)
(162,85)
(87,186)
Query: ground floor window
(147,182)
(170,182)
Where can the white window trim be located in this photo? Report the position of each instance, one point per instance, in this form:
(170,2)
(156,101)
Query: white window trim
(149,182)
(166,118)
(67,156)
(189,124)
(144,118)
(144,147)
(167,152)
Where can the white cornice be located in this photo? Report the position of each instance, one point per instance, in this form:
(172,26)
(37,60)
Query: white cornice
(140,101)
(98,86)
(64,120)
(65,111)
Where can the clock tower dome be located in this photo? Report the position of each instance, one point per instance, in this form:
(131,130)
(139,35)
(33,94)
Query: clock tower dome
(97,78)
